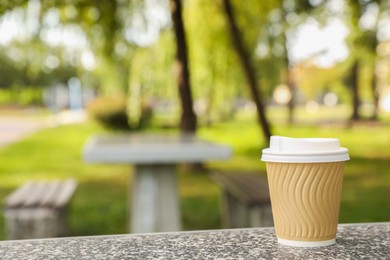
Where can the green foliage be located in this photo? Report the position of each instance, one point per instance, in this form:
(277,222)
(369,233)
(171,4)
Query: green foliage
(24,70)
(215,71)
(152,69)
(21,96)
(102,23)
(253,18)
(6,5)
(314,81)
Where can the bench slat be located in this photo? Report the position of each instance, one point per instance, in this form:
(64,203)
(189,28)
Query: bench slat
(17,197)
(48,199)
(55,194)
(64,194)
(36,193)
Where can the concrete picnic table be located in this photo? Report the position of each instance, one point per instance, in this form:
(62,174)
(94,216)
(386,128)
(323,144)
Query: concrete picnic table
(354,241)
(155,200)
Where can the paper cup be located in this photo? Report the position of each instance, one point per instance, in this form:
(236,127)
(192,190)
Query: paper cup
(305,182)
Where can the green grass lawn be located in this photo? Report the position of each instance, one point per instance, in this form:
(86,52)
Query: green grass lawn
(100,203)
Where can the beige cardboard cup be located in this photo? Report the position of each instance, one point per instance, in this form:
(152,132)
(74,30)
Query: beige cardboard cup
(305,182)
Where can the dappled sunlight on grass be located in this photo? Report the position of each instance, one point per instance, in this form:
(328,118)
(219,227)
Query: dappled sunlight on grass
(200,212)
(199,200)
(100,205)
(204,185)
(365,190)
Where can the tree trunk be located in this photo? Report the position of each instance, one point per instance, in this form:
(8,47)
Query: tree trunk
(291,102)
(188,117)
(354,80)
(289,77)
(375,86)
(248,69)
(374,81)
(375,95)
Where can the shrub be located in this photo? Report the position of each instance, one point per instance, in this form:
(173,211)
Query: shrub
(110,111)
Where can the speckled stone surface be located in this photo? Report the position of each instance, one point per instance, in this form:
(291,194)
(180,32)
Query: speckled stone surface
(360,241)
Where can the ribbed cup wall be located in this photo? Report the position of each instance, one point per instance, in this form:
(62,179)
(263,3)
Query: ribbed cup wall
(305,199)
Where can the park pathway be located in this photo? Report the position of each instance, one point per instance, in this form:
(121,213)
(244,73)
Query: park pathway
(15,128)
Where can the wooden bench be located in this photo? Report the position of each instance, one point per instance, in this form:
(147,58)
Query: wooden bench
(38,209)
(245,200)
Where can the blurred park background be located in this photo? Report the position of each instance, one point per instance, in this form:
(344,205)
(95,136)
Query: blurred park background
(233,72)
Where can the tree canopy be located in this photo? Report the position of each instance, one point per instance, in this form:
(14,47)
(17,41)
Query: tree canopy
(126,46)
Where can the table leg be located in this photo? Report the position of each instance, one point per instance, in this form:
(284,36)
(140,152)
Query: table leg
(155,201)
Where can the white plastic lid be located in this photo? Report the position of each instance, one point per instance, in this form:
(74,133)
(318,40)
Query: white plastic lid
(305,150)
